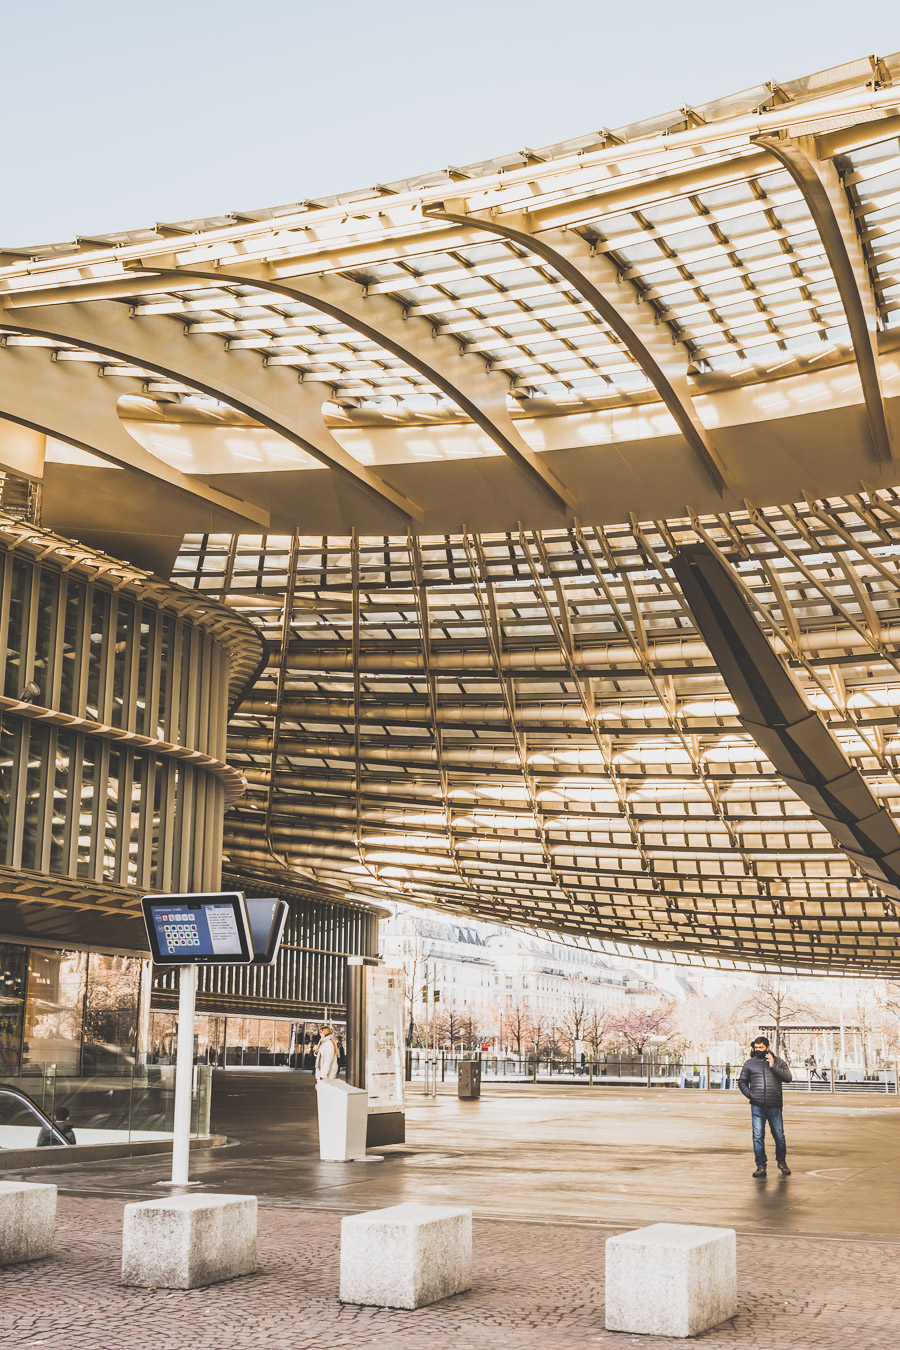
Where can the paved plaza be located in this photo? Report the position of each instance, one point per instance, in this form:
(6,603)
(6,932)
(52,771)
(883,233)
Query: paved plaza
(550,1172)
(536,1286)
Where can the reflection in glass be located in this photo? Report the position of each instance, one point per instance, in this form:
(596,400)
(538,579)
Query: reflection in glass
(45,632)
(122,662)
(167,657)
(97,654)
(10,731)
(13,967)
(19,602)
(36,775)
(144,680)
(60,803)
(113,798)
(111,1013)
(187,686)
(53,1010)
(131,844)
(86,822)
(70,664)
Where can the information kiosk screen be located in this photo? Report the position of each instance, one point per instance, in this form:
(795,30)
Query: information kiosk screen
(203,929)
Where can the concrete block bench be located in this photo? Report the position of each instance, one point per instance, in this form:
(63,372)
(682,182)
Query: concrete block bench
(186,1241)
(670,1279)
(406,1256)
(27,1221)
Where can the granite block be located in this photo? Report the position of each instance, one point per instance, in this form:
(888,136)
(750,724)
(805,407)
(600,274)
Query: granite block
(670,1279)
(406,1256)
(27,1221)
(187,1241)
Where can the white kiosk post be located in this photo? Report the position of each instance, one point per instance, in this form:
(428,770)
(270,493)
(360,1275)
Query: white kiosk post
(184,1074)
(207,928)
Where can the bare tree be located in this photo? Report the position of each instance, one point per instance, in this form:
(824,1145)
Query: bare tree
(471,1030)
(450,1025)
(516,1019)
(575,1018)
(537,1033)
(597,1029)
(414,958)
(774,1002)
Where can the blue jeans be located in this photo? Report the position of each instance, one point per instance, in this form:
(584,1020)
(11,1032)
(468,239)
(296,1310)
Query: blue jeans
(760,1115)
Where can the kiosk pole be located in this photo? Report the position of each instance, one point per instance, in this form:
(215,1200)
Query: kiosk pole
(184,1072)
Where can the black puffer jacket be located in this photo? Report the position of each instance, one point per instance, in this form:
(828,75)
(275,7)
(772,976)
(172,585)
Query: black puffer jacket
(762,1085)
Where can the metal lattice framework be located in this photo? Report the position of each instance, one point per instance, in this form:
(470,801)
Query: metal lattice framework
(528,727)
(473,415)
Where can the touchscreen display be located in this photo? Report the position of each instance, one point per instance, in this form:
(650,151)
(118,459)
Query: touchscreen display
(188,929)
(209,930)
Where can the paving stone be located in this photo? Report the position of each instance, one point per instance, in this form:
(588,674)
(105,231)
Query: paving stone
(536,1286)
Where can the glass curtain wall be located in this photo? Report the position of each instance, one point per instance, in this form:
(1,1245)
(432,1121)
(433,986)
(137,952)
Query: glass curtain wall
(13,972)
(77,1011)
(97,653)
(241,1042)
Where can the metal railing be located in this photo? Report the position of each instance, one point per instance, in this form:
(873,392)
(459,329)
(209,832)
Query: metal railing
(637,1071)
(135,1102)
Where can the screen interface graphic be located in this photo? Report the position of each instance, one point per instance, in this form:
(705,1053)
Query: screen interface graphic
(196,930)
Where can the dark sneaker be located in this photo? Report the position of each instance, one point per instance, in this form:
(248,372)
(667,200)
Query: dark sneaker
(784,1169)
(760,1172)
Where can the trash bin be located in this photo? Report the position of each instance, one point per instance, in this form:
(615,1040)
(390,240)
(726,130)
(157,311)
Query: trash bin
(468,1085)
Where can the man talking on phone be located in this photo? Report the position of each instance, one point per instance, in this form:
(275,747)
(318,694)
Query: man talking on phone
(760,1081)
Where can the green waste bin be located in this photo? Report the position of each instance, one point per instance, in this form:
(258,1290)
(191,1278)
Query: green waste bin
(468,1085)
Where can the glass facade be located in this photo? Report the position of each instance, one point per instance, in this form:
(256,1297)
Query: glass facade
(82,806)
(76,1011)
(92,816)
(97,653)
(242,1042)
(81,802)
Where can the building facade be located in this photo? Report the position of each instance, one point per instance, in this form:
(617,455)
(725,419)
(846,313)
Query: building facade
(502,983)
(116,690)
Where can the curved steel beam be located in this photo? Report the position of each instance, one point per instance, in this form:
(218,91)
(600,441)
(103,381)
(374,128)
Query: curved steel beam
(273,396)
(564,251)
(828,206)
(67,401)
(478,393)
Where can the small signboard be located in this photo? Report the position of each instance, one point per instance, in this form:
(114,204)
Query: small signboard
(204,929)
(267,920)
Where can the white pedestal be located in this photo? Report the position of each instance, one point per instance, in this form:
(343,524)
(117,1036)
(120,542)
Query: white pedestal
(27,1221)
(186,1241)
(670,1279)
(406,1256)
(343,1120)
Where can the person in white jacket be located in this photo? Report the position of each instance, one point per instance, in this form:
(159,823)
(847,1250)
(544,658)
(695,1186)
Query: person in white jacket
(326,1055)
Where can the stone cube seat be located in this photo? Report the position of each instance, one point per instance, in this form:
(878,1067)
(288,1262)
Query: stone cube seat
(406,1256)
(670,1279)
(27,1221)
(187,1241)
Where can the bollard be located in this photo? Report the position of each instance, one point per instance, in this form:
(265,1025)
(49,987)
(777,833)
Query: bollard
(897,1077)
(534,1069)
(591,1074)
(406,1256)
(708,1079)
(649,1073)
(832,1077)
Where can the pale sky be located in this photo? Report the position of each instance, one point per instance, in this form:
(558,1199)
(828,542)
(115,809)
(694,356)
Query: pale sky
(118,115)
